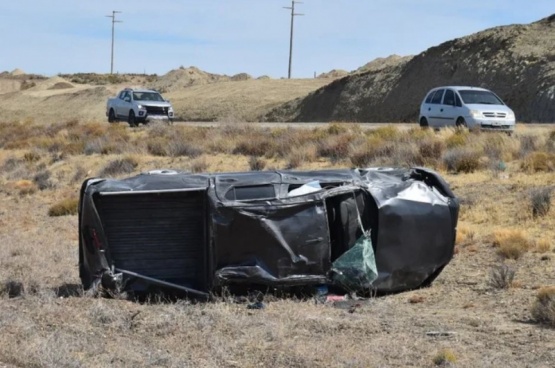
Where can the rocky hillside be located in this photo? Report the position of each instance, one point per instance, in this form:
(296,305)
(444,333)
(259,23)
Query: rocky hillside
(516,61)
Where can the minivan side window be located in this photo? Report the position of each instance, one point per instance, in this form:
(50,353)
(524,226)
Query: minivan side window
(429,97)
(449,98)
(437,96)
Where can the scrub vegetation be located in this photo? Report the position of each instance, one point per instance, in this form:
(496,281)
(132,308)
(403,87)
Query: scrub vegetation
(493,304)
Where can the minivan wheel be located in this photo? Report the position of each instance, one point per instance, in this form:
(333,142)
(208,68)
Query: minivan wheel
(461,123)
(424,123)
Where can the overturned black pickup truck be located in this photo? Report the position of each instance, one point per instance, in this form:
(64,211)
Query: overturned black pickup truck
(379,229)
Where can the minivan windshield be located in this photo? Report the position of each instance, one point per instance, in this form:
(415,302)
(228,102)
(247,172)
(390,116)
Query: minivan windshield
(479,97)
(147,96)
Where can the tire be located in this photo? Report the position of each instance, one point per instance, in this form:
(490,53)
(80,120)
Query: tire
(461,123)
(424,122)
(111,116)
(132,120)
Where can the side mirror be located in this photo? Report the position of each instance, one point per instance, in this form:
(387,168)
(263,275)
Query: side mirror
(127,99)
(168,101)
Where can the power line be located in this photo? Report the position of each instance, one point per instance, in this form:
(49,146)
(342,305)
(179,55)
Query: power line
(293,15)
(114,21)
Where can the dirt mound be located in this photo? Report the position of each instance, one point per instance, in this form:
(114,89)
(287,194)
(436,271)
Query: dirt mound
(517,62)
(185,77)
(382,63)
(241,77)
(61,85)
(334,74)
(17,72)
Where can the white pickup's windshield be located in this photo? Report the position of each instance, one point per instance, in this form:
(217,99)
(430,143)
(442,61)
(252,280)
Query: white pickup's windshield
(147,96)
(479,97)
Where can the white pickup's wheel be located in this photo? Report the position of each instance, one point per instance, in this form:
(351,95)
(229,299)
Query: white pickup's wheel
(131,119)
(111,116)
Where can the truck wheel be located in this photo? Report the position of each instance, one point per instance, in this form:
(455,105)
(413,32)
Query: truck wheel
(424,122)
(111,116)
(132,120)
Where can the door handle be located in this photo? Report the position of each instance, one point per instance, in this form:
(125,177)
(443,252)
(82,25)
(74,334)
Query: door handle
(441,110)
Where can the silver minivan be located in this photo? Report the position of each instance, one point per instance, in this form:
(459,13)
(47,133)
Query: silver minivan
(470,107)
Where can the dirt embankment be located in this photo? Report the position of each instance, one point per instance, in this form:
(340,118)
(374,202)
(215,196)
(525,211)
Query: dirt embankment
(196,95)
(517,62)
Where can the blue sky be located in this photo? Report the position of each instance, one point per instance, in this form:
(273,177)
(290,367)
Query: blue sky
(232,36)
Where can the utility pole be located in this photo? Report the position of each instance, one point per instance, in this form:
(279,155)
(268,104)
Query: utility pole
(293,15)
(114,21)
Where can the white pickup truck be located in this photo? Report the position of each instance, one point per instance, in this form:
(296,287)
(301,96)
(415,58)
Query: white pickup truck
(138,106)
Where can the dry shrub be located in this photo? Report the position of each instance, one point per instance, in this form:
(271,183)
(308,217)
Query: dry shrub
(336,128)
(465,160)
(79,175)
(12,163)
(198,165)
(32,156)
(12,288)
(528,144)
(364,153)
(335,147)
(253,145)
(499,146)
(300,155)
(101,146)
(401,155)
(178,148)
(465,236)
(65,207)
(511,243)
(416,299)
(42,180)
(431,149)
(26,84)
(445,357)
(25,187)
(256,163)
(124,165)
(158,147)
(388,133)
(543,245)
(543,310)
(459,138)
(501,276)
(539,161)
(540,201)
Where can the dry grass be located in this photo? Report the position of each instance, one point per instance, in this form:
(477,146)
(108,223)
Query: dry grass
(501,276)
(47,321)
(445,357)
(65,207)
(543,309)
(511,243)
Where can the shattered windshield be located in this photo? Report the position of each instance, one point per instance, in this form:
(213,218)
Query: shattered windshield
(147,96)
(480,97)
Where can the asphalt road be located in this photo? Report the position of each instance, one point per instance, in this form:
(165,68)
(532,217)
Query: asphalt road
(310,125)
